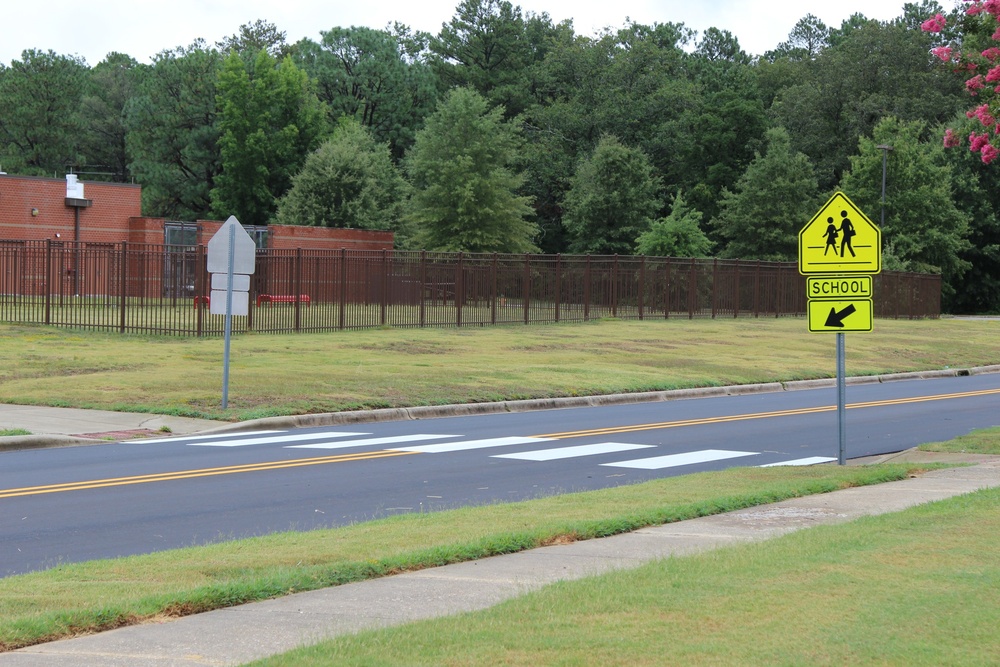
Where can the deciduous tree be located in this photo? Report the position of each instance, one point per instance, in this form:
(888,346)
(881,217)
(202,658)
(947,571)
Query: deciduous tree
(677,235)
(612,199)
(761,216)
(349,181)
(269,121)
(923,226)
(464,179)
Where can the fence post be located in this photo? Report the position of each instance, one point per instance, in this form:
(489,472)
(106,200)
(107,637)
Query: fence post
(493,289)
(459,268)
(715,285)
(666,289)
(586,290)
(642,284)
(342,315)
(526,288)
(781,292)
(199,287)
(423,286)
(558,283)
(692,290)
(297,289)
(736,291)
(614,287)
(912,282)
(48,281)
(384,296)
(123,286)
(756,289)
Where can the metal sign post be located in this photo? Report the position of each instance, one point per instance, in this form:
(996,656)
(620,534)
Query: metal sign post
(229,319)
(839,243)
(841,399)
(231,258)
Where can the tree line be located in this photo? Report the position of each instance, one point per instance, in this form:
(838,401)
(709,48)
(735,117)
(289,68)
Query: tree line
(509,132)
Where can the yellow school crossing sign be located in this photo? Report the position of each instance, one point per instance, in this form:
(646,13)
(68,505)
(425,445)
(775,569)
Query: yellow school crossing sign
(839,243)
(840,239)
(840,316)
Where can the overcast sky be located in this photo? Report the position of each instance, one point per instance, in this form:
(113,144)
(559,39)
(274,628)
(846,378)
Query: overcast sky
(142,28)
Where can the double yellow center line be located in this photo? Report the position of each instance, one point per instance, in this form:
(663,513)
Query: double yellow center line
(191,474)
(760,415)
(365,456)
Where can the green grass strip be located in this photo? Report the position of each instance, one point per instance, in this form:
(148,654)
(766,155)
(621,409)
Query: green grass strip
(99,595)
(910,588)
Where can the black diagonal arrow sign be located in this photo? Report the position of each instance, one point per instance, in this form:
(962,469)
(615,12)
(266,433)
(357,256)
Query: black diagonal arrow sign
(836,318)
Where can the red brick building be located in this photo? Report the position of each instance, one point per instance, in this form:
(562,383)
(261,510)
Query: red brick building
(36,209)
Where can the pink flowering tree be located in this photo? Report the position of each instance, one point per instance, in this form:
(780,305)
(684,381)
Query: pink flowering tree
(970,46)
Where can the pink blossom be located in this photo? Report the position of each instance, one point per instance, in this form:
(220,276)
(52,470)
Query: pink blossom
(993,75)
(993,7)
(944,53)
(982,112)
(977,141)
(989,153)
(974,84)
(951,139)
(991,54)
(937,23)
(974,9)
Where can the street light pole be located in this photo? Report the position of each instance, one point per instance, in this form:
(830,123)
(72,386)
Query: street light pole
(885,155)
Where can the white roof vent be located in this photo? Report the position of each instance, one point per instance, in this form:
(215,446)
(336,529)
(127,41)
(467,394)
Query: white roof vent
(74,188)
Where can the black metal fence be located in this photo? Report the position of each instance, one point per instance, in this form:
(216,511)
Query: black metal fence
(165,289)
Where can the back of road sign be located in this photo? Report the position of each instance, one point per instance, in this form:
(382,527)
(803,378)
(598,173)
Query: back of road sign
(840,239)
(244,251)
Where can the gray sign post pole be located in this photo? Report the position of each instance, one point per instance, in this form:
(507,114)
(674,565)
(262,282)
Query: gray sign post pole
(231,259)
(841,399)
(229,317)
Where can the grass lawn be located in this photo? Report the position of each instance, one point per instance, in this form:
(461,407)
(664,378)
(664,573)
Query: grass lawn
(293,374)
(310,373)
(917,587)
(78,598)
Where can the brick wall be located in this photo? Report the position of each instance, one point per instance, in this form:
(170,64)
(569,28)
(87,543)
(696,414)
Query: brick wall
(145,230)
(283,237)
(34,208)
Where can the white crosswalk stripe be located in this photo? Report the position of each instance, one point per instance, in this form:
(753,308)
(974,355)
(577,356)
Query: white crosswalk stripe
(674,460)
(572,452)
(343,440)
(471,444)
(373,441)
(213,436)
(810,461)
(298,437)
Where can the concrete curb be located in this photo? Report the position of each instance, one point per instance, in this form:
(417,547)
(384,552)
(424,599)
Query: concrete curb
(497,407)
(19,442)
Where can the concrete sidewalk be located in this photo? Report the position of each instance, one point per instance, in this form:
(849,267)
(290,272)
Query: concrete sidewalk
(241,634)
(59,427)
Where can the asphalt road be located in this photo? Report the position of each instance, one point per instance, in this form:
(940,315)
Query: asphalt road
(80,503)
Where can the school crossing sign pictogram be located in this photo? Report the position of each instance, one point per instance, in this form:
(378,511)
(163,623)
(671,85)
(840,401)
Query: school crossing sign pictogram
(840,239)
